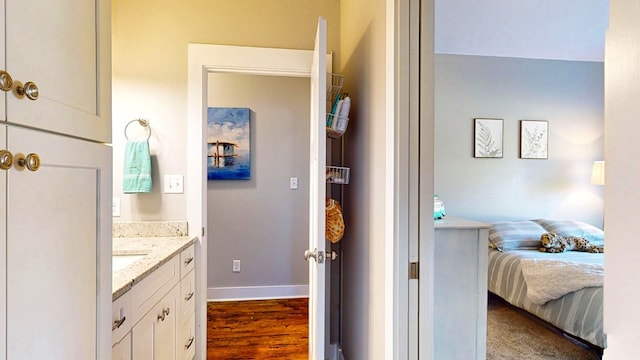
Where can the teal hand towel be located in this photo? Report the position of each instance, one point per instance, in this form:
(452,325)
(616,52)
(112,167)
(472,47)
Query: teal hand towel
(137,168)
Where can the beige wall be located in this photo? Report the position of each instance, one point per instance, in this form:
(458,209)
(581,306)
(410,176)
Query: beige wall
(622,109)
(363,63)
(150,72)
(150,80)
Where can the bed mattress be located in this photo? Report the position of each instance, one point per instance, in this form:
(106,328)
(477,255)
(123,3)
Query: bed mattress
(578,313)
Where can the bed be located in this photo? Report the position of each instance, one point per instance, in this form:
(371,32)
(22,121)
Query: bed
(572,303)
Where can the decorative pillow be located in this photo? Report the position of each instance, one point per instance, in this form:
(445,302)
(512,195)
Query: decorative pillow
(573,228)
(512,235)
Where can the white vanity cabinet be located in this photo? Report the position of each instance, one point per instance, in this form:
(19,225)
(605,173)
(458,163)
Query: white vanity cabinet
(460,291)
(161,308)
(154,336)
(121,319)
(122,349)
(186,346)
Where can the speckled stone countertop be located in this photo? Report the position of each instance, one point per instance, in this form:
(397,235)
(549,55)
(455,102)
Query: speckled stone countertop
(156,250)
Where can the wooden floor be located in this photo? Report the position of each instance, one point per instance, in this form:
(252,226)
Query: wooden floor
(258,329)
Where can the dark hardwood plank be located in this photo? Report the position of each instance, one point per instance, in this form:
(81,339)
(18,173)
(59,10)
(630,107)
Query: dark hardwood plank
(258,329)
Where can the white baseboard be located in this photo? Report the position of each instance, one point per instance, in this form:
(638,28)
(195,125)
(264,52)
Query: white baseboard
(257,292)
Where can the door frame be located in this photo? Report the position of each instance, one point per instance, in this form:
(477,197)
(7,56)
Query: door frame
(202,60)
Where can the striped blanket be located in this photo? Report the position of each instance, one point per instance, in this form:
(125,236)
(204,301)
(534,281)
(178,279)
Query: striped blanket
(578,313)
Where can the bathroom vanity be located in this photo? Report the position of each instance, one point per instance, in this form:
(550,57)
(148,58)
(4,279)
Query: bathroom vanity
(153,314)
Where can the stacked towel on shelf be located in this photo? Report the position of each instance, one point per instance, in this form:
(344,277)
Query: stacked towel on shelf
(137,168)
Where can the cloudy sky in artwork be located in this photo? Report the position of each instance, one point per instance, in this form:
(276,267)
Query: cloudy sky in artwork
(229,125)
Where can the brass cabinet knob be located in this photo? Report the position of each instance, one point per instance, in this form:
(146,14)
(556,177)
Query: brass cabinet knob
(6,82)
(30,161)
(6,159)
(29,89)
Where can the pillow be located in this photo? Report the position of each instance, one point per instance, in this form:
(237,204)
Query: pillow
(511,235)
(573,228)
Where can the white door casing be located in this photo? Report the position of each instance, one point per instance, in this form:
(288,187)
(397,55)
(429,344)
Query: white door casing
(202,60)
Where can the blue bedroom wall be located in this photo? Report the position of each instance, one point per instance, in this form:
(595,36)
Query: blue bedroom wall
(568,94)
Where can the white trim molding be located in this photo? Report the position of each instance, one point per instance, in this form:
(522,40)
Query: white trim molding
(257,292)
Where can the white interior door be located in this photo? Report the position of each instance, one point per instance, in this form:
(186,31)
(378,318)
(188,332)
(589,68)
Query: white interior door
(317,193)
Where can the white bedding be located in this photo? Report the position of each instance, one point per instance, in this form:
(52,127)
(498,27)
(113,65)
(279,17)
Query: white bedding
(550,279)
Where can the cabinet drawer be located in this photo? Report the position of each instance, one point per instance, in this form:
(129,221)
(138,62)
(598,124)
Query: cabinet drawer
(150,290)
(121,318)
(187,260)
(187,340)
(122,350)
(187,296)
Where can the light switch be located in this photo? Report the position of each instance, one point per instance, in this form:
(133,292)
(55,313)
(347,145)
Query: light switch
(293,183)
(173,184)
(115,207)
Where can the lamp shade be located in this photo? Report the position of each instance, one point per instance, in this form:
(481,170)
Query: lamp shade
(597,174)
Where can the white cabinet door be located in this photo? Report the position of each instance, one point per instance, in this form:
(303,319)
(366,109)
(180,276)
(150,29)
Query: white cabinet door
(55,228)
(122,349)
(64,48)
(154,336)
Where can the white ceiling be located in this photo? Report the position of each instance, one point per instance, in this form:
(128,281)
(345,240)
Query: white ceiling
(537,29)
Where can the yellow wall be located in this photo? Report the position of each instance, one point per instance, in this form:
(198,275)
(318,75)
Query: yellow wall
(149,60)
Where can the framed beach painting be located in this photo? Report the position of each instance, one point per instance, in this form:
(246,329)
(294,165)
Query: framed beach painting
(228,143)
(534,139)
(488,138)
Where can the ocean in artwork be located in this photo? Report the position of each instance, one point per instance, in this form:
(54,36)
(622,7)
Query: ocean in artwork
(228,143)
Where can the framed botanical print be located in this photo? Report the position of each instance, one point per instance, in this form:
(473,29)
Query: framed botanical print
(488,138)
(534,139)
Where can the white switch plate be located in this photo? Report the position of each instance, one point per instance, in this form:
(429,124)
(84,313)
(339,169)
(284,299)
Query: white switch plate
(293,183)
(115,207)
(236,266)
(173,184)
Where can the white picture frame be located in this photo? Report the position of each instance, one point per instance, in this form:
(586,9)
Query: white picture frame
(534,139)
(488,138)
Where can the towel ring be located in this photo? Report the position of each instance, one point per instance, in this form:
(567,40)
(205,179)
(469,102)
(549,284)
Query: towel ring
(143,122)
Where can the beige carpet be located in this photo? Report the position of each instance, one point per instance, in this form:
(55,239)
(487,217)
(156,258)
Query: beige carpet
(515,334)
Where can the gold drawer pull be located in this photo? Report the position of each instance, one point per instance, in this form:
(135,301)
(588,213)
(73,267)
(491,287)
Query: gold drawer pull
(6,159)
(6,82)
(29,89)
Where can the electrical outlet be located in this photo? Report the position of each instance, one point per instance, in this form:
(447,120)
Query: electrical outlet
(173,184)
(236,266)
(293,183)
(115,207)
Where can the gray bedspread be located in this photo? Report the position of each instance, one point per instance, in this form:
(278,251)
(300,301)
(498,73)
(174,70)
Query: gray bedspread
(578,313)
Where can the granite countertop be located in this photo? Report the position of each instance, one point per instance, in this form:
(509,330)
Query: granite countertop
(157,250)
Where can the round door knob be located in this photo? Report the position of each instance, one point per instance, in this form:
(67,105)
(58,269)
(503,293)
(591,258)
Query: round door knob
(6,82)
(6,160)
(29,89)
(31,161)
